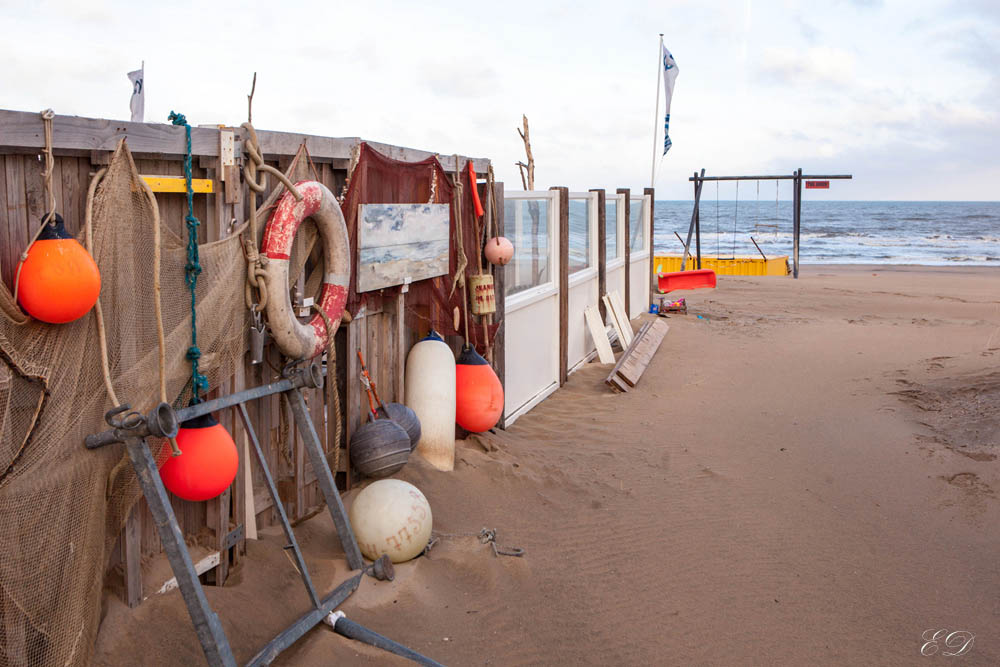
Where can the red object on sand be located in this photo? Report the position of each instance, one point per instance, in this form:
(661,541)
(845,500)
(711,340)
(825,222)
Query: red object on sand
(700,278)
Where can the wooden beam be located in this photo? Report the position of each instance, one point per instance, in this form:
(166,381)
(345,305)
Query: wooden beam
(628,247)
(201,186)
(652,228)
(22,132)
(563,229)
(602,249)
(132,548)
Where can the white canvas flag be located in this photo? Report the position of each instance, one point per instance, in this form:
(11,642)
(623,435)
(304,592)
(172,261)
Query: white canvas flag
(138,102)
(669,76)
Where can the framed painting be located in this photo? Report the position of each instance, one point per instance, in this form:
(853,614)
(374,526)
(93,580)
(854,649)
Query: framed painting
(400,243)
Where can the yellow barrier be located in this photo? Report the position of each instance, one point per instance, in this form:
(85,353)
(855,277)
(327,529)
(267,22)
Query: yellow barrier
(744,265)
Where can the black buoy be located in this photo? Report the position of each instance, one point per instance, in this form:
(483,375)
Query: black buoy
(406,418)
(380,448)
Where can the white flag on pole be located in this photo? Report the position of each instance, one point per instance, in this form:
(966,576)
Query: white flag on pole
(669,76)
(138,102)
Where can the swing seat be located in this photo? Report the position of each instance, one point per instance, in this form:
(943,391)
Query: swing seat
(697,279)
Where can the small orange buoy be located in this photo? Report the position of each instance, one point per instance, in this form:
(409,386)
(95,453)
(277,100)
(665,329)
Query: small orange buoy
(208,461)
(499,250)
(59,281)
(478,392)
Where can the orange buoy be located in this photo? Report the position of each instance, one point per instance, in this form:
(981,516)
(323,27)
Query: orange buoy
(59,281)
(476,202)
(478,392)
(208,461)
(499,250)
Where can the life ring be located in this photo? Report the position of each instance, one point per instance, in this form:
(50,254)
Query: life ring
(294,339)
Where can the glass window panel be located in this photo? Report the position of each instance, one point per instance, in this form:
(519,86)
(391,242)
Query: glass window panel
(635,231)
(526,224)
(610,230)
(579,234)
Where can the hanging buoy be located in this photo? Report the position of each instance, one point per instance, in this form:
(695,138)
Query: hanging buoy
(478,392)
(59,281)
(499,250)
(379,448)
(207,464)
(406,418)
(430,393)
(392,517)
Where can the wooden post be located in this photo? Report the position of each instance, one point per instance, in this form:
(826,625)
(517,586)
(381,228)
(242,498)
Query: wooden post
(652,228)
(694,222)
(628,250)
(797,220)
(499,279)
(352,391)
(602,250)
(698,185)
(563,283)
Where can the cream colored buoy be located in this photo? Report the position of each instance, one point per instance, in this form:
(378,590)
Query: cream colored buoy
(430,393)
(392,517)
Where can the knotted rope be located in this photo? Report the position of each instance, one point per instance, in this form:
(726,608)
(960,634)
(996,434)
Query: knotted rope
(256,263)
(50,195)
(192,269)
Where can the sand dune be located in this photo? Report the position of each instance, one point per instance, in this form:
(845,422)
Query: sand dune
(806,474)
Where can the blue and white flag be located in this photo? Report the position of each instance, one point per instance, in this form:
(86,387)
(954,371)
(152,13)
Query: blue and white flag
(137,104)
(669,76)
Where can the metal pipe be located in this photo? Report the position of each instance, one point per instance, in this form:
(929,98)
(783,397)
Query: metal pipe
(294,632)
(758,249)
(694,217)
(770,178)
(348,628)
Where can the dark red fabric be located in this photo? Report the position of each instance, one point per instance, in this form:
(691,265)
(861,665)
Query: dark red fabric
(378,179)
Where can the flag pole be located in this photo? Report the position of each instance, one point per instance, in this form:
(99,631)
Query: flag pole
(656,114)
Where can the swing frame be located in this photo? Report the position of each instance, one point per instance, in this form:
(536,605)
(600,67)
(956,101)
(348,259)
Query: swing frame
(796,176)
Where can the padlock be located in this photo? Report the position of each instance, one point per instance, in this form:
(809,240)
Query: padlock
(258,337)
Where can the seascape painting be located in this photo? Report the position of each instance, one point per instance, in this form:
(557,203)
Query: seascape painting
(400,241)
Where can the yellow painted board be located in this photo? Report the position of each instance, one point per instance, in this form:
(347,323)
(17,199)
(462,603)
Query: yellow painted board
(746,265)
(178,184)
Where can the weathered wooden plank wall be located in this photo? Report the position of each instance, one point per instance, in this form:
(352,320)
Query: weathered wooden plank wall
(82,147)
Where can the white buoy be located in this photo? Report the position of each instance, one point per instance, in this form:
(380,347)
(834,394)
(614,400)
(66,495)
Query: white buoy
(392,517)
(430,393)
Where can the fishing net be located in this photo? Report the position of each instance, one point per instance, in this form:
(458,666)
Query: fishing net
(63,506)
(378,179)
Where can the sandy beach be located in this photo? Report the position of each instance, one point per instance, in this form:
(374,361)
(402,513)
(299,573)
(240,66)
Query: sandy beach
(806,474)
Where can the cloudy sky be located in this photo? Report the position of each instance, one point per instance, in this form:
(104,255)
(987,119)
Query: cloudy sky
(901,93)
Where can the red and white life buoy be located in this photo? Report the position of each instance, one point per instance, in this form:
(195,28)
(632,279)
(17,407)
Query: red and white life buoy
(294,339)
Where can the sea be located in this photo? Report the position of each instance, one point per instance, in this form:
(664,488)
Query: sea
(840,232)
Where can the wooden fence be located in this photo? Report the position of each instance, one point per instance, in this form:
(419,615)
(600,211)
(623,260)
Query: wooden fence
(216,529)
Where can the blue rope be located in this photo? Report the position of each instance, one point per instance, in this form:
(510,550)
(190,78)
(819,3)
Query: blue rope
(199,383)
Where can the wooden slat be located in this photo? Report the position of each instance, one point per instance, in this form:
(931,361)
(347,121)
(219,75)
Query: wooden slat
(628,245)
(72,202)
(176,184)
(17,214)
(132,547)
(563,229)
(599,334)
(634,363)
(500,339)
(602,249)
(624,339)
(7,254)
(622,313)
(614,380)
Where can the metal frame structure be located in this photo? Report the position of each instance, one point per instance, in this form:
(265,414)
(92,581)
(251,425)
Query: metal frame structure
(133,429)
(796,176)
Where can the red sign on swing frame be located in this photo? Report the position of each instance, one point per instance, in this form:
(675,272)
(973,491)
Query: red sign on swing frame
(817,185)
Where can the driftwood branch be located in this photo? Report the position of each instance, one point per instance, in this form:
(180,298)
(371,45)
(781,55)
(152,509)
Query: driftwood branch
(530,167)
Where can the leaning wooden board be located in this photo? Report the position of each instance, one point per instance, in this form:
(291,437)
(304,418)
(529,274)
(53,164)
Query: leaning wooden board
(637,356)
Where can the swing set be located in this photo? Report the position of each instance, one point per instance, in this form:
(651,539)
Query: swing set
(695,228)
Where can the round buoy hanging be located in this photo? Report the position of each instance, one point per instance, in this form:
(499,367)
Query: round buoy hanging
(294,339)
(208,460)
(405,417)
(478,392)
(208,463)
(58,281)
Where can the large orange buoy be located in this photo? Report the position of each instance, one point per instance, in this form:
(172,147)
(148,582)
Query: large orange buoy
(59,281)
(478,392)
(208,461)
